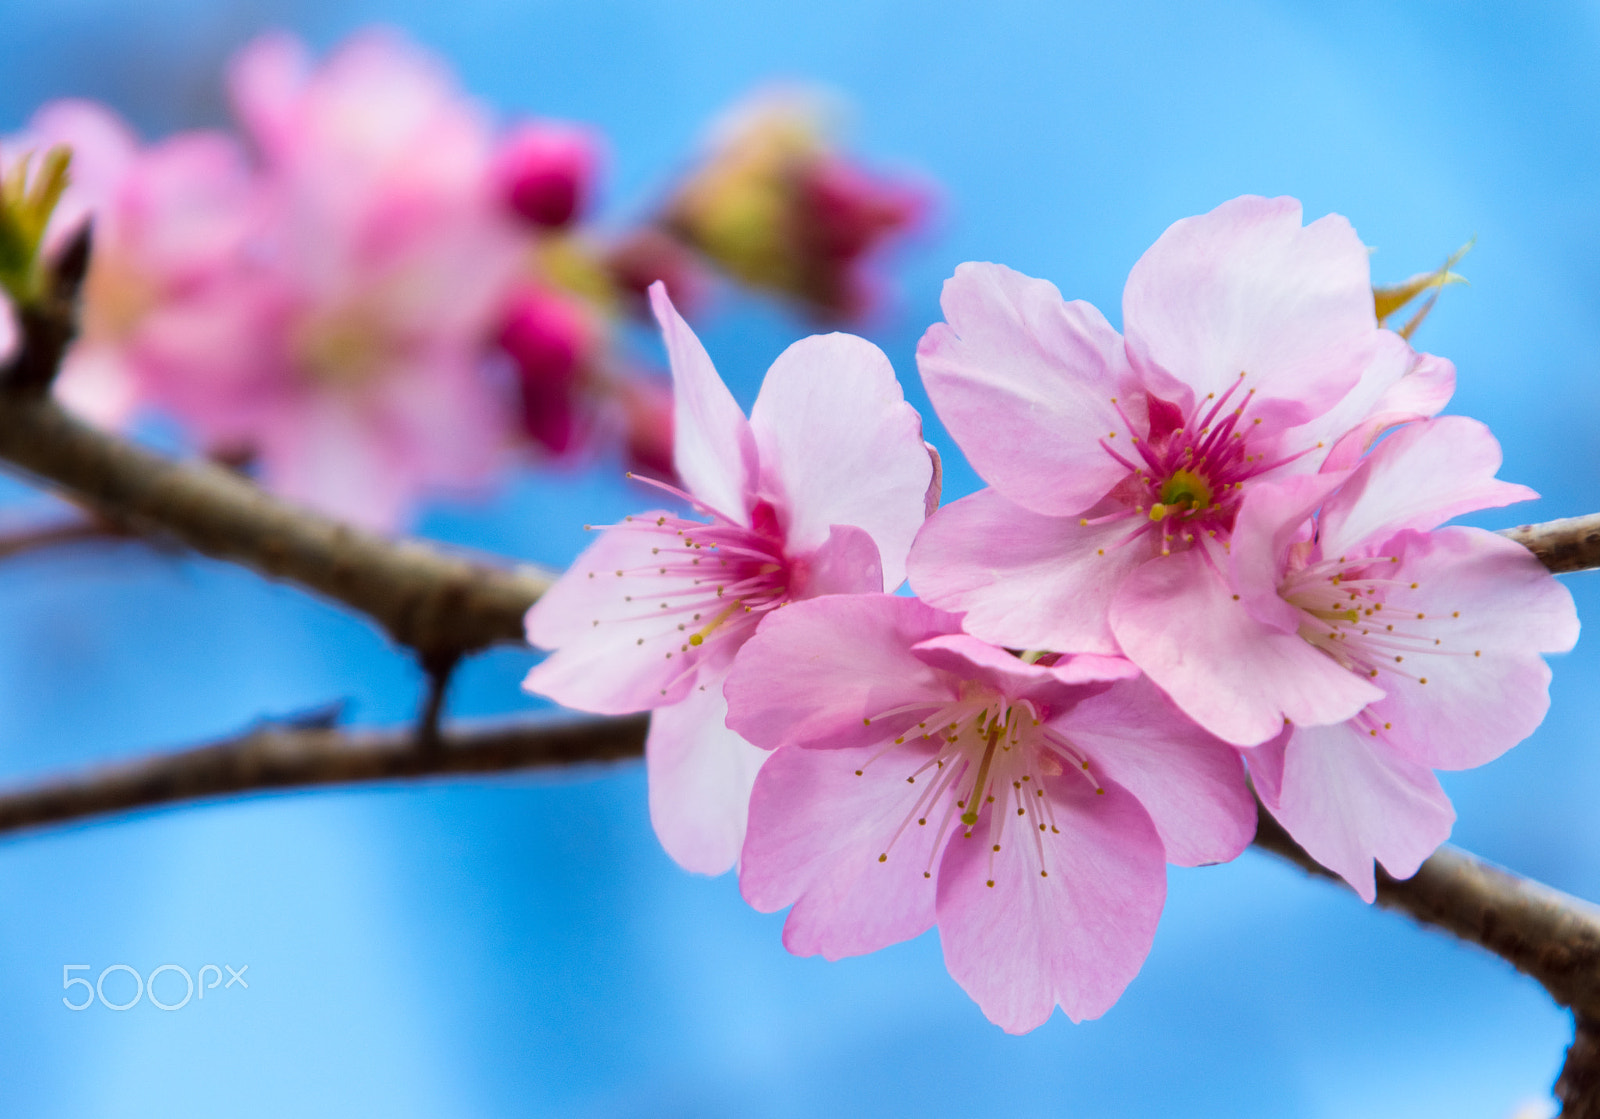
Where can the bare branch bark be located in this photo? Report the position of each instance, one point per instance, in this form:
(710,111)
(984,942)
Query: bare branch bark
(290,758)
(1570,544)
(433,602)
(1546,934)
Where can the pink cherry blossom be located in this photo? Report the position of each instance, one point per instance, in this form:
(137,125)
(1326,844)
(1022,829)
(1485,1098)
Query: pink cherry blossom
(1361,645)
(1251,349)
(921,776)
(346,352)
(168,221)
(819,492)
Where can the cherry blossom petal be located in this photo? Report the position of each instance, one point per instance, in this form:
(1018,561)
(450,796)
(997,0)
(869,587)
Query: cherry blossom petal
(1347,800)
(1190,783)
(1494,608)
(1272,517)
(265,82)
(816,670)
(839,445)
(1074,938)
(700,778)
(612,655)
(1419,477)
(847,563)
(1024,382)
(1383,400)
(1246,288)
(1023,579)
(713,449)
(817,830)
(1235,676)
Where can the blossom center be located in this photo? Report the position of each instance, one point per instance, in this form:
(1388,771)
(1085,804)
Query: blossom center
(977,767)
(1357,612)
(706,584)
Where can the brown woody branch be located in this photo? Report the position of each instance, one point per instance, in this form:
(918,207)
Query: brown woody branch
(435,603)
(1548,935)
(1542,932)
(1564,546)
(292,758)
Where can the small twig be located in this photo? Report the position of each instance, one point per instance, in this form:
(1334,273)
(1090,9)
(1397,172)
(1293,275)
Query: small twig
(48,324)
(438,673)
(40,537)
(289,758)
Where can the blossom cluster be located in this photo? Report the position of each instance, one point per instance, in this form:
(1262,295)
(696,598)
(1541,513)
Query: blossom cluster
(1212,555)
(370,290)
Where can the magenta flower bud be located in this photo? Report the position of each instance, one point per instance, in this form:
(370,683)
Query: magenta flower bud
(545,172)
(548,338)
(845,212)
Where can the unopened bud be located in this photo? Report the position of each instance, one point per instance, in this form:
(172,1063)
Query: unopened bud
(545,172)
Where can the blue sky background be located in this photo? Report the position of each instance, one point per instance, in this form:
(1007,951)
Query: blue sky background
(520,946)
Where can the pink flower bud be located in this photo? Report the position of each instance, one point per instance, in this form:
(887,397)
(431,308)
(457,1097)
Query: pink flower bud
(844,211)
(650,254)
(548,338)
(545,172)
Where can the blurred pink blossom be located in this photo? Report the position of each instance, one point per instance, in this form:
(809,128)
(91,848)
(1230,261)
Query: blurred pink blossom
(347,352)
(169,220)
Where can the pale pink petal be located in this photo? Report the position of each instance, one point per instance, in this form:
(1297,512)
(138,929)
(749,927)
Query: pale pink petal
(1245,288)
(95,383)
(8,330)
(1024,382)
(616,648)
(330,458)
(1273,516)
(1419,477)
(1235,676)
(839,445)
(1075,936)
(1494,609)
(1023,579)
(1059,685)
(930,500)
(700,778)
(713,449)
(104,152)
(848,563)
(1402,386)
(265,81)
(817,829)
(1190,783)
(815,671)
(1347,800)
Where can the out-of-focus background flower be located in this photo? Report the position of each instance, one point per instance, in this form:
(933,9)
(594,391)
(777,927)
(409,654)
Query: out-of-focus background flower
(521,946)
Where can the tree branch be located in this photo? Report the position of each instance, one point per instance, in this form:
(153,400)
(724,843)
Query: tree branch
(276,757)
(1567,545)
(434,603)
(1542,932)
(1548,935)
